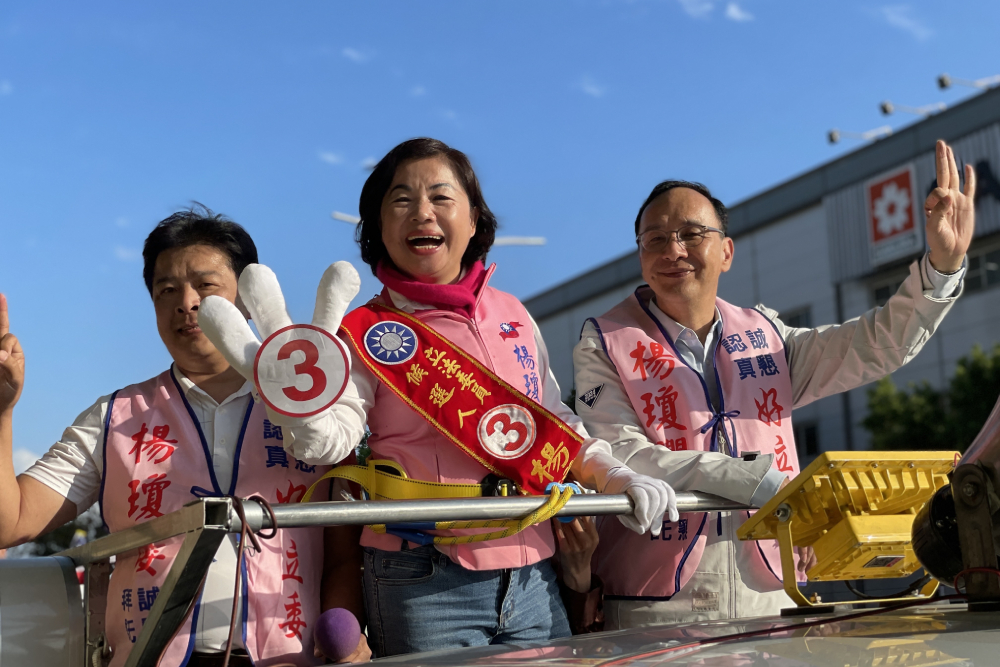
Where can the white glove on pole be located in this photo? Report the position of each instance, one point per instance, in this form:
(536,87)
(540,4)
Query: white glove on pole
(229,331)
(652,499)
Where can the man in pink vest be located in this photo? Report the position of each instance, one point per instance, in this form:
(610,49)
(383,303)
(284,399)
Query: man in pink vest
(699,393)
(145,450)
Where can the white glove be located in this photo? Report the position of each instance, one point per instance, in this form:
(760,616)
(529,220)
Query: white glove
(652,498)
(229,331)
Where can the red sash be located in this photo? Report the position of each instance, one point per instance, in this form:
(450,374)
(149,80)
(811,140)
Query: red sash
(487,418)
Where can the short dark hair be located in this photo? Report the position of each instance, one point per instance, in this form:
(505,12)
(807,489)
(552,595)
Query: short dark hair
(198,225)
(369,231)
(721,212)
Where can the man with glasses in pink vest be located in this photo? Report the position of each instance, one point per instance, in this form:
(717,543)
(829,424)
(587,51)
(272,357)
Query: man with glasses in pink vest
(194,430)
(687,387)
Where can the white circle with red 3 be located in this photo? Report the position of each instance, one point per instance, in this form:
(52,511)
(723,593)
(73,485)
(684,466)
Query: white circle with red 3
(301,370)
(507,431)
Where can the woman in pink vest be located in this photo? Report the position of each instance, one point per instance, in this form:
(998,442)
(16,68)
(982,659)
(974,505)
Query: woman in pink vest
(425,231)
(452,378)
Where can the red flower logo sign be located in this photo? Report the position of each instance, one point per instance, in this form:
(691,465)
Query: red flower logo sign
(890,206)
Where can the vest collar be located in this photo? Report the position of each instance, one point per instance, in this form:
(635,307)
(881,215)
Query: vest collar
(189,388)
(676,329)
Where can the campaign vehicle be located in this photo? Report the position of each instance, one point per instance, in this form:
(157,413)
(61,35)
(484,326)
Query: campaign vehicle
(867,515)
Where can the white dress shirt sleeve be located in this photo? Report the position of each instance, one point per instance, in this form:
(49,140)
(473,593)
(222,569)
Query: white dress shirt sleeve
(72,466)
(768,487)
(941,285)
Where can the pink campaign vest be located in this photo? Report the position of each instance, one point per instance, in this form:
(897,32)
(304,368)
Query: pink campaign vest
(672,401)
(155,461)
(502,339)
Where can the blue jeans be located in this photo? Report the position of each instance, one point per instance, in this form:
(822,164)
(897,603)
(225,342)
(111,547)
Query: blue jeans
(419,600)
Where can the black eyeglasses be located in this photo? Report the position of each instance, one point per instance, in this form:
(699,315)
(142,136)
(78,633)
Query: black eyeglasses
(688,236)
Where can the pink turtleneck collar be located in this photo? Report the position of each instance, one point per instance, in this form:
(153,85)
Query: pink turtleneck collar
(459,297)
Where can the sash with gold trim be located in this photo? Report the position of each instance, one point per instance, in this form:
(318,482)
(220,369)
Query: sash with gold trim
(476,410)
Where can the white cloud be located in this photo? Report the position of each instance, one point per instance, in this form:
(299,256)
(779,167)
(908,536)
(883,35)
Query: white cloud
(23,460)
(355,55)
(418,91)
(127,254)
(591,87)
(736,13)
(698,9)
(330,158)
(901,16)
(6,88)
(369,163)
(122,222)
(345,217)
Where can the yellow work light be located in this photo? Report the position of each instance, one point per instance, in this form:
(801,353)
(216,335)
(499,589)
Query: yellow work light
(856,510)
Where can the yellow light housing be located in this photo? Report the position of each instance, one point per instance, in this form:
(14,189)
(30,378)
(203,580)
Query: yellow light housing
(856,510)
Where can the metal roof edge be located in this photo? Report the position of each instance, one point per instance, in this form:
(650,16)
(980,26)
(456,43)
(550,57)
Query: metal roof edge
(598,280)
(869,160)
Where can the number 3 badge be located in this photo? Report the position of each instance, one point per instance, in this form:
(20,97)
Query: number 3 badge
(300,370)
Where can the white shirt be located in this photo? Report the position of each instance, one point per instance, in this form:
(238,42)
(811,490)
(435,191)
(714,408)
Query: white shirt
(72,467)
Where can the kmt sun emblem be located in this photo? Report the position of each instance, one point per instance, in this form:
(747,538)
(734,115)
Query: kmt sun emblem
(391,343)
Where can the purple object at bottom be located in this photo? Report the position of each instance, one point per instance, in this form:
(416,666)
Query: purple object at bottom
(337,633)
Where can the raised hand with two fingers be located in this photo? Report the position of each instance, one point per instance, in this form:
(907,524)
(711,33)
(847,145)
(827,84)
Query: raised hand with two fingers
(299,370)
(11,362)
(950,211)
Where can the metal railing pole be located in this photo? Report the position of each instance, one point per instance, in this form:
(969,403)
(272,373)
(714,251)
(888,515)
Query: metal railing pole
(205,522)
(470,509)
(217,514)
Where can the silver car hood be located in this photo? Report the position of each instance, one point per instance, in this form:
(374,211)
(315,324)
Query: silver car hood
(938,634)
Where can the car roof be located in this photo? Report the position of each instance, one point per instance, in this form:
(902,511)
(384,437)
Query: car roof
(939,634)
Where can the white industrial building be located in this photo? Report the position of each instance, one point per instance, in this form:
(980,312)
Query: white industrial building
(845,233)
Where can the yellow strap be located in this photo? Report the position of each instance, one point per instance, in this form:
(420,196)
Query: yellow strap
(557,500)
(387,486)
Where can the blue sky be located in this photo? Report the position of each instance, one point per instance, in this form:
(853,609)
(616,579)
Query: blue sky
(115,114)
